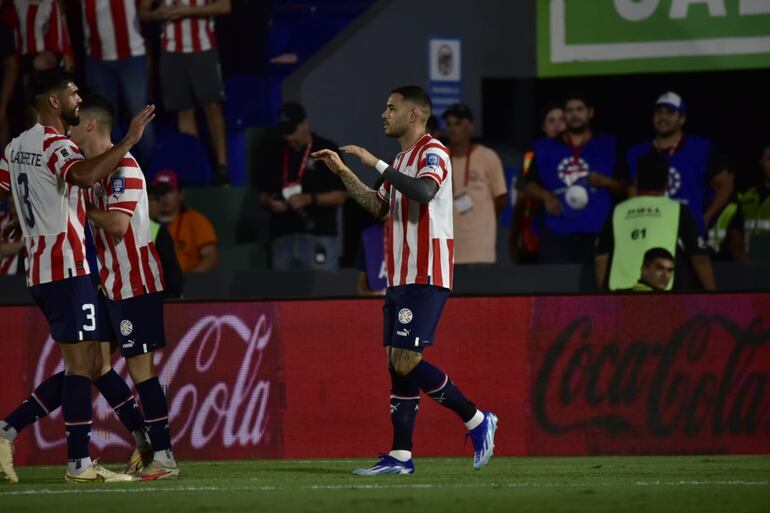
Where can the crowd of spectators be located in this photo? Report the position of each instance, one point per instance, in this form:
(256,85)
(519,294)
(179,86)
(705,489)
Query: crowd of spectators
(573,181)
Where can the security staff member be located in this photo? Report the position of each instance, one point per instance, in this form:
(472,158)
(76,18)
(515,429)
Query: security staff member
(646,221)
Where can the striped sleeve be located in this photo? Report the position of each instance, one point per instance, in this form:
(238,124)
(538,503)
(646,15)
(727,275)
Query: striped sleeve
(433,164)
(124,187)
(384,192)
(5,175)
(61,153)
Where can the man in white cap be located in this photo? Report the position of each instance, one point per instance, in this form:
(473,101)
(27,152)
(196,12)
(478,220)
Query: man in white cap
(697,175)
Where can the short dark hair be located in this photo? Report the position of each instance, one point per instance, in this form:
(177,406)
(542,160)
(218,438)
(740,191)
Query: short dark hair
(652,172)
(101,108)
(417,95)
(576,95)
(49,80)
(653,254)
(548,108)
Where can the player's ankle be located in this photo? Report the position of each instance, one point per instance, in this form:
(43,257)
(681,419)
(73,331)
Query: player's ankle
(401,455)
(7,431)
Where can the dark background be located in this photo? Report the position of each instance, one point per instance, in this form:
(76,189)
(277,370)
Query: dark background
(731,107)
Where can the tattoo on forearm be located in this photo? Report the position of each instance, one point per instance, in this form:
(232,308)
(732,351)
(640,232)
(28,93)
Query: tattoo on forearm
(363,195)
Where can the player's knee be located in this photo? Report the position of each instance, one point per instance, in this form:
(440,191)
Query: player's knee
(141,367)
(404,361)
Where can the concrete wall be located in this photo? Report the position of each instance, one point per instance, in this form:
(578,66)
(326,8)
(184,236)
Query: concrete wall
(344,87)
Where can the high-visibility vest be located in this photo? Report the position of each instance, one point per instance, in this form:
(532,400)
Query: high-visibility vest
(639,224)
(154,229)
(718,232)
(756,215)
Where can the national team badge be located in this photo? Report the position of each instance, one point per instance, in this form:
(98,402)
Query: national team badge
(118,185)
(405,316)
(126,328)
(570,170)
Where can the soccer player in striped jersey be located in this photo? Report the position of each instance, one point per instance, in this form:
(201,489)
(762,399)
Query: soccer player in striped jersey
(131,276)
(47,172)
(416,197)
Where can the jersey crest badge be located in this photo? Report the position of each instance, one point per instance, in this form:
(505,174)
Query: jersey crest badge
(126,327)
(405,316)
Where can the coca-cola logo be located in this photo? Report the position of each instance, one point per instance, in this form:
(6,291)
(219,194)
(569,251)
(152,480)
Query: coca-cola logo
(710,378)
(218,383)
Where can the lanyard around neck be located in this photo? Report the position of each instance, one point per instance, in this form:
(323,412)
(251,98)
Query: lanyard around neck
(302,165)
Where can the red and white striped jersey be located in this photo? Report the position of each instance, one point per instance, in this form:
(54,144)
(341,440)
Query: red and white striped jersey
(188,35)
(42,27)
(130,266)
(8,264)
(111,29)
(419,245)
(51,211)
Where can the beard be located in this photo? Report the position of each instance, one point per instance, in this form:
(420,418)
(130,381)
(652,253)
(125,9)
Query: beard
(577,128)
(71,117)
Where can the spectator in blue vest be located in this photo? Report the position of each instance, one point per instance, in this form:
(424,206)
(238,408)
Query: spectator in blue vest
(576,176)
(698,175)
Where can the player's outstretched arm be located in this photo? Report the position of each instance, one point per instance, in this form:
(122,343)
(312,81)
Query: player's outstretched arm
(421,190)
(363,195)
(87,172)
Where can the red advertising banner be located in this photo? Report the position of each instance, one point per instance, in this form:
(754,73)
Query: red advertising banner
(338,386)
(650,375)
(220,371)
(566,375)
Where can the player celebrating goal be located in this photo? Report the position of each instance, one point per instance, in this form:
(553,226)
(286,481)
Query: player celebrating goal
(131,314)
(417,198)
(131,276)
(47,172)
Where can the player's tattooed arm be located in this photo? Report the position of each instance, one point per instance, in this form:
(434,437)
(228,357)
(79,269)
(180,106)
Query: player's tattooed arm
(363,195)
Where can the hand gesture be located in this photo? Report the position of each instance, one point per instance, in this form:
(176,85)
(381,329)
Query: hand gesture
(138,124)
(363,154)
(331,159)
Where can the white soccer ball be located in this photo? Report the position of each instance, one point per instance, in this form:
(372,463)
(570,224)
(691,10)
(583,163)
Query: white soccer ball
(577,197)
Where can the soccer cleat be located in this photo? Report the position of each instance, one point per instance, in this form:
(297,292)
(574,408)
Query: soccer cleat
(388,465)
(483,438)
(138,461)
(97,474)
(6,460)
(158,470)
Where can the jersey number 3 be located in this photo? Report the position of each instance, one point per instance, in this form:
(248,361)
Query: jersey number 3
(29,216)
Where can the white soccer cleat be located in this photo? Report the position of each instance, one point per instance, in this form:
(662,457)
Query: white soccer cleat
(97,474)
(6,460)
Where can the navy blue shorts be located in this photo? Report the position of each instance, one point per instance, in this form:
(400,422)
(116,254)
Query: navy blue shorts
(71,308)
(135,325)
(411,314)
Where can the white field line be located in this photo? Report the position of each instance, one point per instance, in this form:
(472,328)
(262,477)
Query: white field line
(374,486)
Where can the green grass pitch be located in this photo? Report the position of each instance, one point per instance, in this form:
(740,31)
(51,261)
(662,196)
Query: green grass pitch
(725,484)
